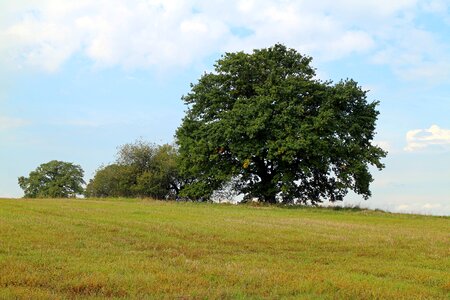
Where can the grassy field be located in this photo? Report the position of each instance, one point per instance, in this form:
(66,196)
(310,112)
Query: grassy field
(58,249)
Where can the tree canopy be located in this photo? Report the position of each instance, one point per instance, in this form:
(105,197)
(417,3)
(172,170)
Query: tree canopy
(141,170)
(112,180)
(55,179)
(264,122)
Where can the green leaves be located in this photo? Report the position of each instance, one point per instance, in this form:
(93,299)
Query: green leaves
(55,179)
(114,180)
(265,119)
(142,170)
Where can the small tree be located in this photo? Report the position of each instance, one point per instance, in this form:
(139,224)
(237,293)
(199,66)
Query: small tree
(55,179)
(141,170)
(264,119)
(111,181)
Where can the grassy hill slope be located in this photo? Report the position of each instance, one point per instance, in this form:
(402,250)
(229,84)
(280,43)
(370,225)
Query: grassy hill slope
(150,249)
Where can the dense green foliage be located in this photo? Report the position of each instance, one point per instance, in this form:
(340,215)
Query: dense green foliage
(55,179)
(141,170)
(112,180)
(264,122)
(139,249)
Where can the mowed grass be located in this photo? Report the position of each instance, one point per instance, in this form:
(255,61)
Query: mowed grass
(93,249)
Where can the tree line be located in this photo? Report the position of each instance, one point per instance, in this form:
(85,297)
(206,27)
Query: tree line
(142,169)
(260,125)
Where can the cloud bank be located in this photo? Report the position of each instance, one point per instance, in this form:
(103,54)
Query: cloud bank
(175,33)
(420,139)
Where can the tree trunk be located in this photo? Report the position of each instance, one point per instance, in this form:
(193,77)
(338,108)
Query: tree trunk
(266,189)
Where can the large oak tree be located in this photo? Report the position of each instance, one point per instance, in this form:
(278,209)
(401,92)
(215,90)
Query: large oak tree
(264,122)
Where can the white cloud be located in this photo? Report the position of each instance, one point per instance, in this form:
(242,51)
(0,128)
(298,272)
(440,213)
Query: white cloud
(155,33)
(422,207)
(10,123)
(385,145)
(420,139)
(436,6)
(403,207)
(415,53)
(431,205)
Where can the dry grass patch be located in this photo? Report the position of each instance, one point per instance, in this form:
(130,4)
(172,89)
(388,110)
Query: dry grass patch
(65,249)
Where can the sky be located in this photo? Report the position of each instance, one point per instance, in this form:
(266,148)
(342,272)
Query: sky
(80,78)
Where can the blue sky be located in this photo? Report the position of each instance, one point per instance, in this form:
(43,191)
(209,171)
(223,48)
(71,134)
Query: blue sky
(79,78)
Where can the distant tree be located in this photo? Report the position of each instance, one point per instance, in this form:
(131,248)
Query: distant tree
(55,179)
(141,170)
(263,122)
(111,181)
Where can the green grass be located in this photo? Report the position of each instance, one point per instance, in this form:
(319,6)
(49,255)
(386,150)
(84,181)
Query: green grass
(66,249)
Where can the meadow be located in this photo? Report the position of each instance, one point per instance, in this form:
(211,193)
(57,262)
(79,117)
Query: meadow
(144,249)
